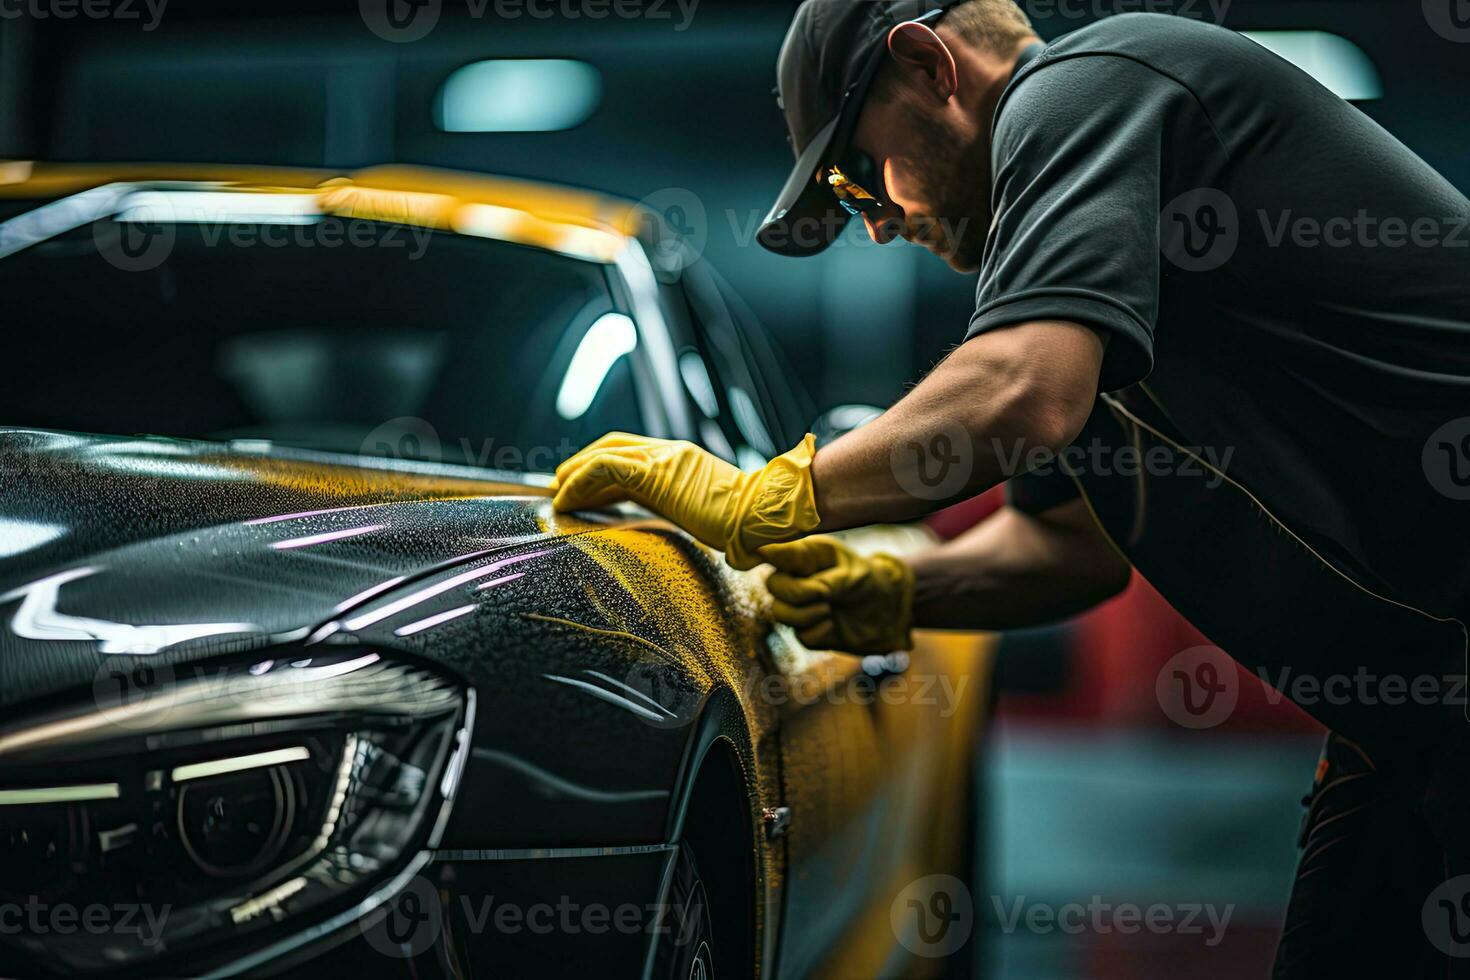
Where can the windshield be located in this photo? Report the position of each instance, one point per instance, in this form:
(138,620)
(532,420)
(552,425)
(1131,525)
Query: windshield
(380,339)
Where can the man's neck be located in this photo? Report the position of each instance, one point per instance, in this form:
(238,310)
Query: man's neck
(994,73)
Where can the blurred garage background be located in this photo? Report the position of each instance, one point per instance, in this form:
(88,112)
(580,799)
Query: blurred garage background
(1099,794)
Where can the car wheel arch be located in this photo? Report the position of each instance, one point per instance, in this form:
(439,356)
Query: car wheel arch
(717,813)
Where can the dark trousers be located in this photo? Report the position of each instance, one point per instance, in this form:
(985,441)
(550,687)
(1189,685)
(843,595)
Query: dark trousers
(1383,884)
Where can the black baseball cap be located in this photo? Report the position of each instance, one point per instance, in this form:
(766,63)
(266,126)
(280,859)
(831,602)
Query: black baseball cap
(827,63)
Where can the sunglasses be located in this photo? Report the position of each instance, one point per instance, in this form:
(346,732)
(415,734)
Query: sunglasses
(853,178)
(850,181)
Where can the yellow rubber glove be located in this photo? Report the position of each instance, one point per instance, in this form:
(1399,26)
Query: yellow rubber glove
(719,504)
(837,599)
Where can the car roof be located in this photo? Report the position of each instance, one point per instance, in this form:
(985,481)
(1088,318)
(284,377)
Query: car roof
(576,222)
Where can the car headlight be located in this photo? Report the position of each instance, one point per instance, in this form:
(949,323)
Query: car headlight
(174,816)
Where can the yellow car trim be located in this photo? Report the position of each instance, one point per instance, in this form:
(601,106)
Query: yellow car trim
(572,222)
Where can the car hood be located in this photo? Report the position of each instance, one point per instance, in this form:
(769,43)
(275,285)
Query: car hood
(179,549)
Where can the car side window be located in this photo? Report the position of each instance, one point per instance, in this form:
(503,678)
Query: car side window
(761,407)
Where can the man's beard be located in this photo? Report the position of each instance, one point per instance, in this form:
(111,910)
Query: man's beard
(955,179)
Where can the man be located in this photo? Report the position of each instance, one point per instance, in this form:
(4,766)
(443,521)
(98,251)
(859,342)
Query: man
(1269,423)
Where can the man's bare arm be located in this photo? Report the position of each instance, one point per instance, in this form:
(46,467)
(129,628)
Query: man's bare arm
(1006,392)
(1016,569)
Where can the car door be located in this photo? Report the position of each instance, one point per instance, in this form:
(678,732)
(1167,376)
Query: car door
(877,752)
(878,758)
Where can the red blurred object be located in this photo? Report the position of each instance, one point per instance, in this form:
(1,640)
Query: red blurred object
(1117,651)
(1121,646)
(955,519)
(1128,950)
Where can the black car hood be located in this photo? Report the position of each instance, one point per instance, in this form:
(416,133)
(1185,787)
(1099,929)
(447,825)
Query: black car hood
(177,550)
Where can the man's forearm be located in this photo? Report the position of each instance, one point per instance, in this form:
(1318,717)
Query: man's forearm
(1016,570)
(964,427)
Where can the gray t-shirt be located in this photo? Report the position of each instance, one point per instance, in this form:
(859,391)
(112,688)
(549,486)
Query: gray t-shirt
(1279,277)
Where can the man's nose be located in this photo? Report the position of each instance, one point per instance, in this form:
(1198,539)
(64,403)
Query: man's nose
(885,223)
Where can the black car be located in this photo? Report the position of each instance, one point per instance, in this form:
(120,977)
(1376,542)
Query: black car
(300,672)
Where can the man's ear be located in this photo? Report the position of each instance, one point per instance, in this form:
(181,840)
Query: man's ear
(921,54)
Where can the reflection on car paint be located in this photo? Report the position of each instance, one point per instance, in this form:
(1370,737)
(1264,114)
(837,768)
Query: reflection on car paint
(296,516)
(37,618)
(633,692)
(326,537)
(615,634)
(423,595)
(20,536)
(612,697)
(368,593)
(498,581)
(557,786)
(437,619)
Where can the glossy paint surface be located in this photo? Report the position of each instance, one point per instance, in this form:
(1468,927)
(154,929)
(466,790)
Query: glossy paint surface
(607,651)
(594,642)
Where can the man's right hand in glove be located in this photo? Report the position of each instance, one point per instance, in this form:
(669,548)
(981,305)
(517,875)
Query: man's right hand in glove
(837,599)
(1012,570)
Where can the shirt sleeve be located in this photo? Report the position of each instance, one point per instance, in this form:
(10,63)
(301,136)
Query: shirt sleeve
(1077,158)
(1033,493)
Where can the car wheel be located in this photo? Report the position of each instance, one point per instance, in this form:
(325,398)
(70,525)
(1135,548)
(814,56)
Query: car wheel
(686,943)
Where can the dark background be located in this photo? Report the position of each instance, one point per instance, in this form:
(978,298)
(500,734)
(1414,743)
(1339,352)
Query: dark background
(1095,791)
(307,83)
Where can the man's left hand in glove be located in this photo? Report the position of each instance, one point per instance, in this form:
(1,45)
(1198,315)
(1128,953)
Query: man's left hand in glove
(726,508)
(1012,388)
